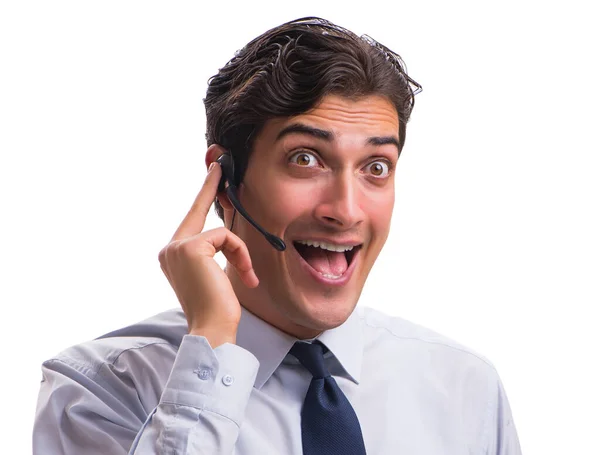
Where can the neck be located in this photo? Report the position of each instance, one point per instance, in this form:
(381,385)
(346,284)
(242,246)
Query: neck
(258,302)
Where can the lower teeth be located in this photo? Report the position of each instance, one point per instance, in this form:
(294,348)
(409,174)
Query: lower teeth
(331,277)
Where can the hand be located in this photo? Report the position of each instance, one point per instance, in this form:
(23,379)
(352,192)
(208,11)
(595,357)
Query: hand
(202,287)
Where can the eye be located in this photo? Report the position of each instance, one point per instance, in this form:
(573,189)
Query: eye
(378,169)
(304,159)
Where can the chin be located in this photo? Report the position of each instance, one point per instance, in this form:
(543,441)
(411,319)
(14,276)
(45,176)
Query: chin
(320,313)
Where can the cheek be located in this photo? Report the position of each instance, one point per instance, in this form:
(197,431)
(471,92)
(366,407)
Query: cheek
(378,211)
(279,201)
(289,198)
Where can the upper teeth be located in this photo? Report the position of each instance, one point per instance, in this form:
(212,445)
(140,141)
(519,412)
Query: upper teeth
(326,246)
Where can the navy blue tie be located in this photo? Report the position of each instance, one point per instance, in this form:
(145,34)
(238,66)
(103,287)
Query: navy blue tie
(329,424)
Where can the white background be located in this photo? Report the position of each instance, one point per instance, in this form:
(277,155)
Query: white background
(495,233)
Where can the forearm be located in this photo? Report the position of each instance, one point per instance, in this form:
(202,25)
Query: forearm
(85,409)
(202,406)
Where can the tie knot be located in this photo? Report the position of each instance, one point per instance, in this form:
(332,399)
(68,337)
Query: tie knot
(311,357)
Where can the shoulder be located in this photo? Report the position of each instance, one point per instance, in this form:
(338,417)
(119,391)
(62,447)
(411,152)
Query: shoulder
(405,341)
(142,342)
(438,376)
(116,379)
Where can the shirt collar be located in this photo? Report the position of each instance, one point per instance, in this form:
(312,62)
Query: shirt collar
(270,345)
(346,344)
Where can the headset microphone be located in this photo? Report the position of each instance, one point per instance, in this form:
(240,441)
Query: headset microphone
(227,167)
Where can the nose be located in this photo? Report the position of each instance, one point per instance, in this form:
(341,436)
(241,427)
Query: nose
(340,204)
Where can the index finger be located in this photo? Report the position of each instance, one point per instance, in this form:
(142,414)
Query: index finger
(193,223)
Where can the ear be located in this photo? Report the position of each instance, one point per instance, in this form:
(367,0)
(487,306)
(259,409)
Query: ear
(212,154)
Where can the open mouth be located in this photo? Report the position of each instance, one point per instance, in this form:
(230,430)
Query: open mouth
(331,261)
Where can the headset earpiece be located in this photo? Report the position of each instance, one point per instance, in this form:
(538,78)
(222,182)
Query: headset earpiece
(227,168)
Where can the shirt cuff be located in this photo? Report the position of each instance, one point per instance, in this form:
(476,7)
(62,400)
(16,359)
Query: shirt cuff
(219,380)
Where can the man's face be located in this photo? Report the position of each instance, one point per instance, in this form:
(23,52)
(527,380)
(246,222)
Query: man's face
(322,181)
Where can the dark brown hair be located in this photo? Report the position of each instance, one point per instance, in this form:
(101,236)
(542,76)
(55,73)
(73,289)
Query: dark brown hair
(287,70)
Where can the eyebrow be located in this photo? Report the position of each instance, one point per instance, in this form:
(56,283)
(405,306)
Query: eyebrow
(305,129)
(328,135)
(384,140)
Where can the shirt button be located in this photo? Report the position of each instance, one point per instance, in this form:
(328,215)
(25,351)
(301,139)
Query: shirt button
(227,380)
(203,373)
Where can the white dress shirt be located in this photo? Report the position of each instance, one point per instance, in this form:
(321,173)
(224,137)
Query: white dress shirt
(152,389)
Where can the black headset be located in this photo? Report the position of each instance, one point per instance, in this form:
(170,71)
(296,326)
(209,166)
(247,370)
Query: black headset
(226,163)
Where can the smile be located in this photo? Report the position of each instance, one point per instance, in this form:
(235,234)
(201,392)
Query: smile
(329,263)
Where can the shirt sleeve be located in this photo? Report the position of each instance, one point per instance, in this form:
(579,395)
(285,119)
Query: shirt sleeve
(501,435)
(200,410)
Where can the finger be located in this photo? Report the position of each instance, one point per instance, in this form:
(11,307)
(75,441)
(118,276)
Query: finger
(164,264)
(236,252)
(193,223)
(163,258)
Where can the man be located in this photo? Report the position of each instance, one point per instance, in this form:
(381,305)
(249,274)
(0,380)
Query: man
(271,355)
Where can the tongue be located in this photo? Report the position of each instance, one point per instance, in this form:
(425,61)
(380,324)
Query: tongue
(325,262)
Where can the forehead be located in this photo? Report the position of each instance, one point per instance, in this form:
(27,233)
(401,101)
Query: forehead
(365,113)
(368,116)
